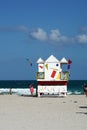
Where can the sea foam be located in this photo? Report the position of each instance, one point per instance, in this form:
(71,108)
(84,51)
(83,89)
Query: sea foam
(17,91)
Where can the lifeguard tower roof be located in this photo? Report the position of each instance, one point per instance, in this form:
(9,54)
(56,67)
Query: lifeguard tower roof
(52,59)
(40,60)
(63,61)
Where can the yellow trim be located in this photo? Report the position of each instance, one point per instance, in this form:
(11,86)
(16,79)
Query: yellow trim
(58,76)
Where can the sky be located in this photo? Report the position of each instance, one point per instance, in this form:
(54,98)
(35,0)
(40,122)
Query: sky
(30,29)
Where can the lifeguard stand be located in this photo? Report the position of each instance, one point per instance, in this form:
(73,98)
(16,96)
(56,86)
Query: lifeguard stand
(50,76)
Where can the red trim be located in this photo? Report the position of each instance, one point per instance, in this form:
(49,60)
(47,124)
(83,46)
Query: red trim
(52,82)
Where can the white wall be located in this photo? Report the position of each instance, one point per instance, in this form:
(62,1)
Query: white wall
(51,67)
(40,67)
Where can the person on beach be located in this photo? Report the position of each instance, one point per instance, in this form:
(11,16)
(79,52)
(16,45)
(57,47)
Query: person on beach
(10,91)
(85,89)
(32,89)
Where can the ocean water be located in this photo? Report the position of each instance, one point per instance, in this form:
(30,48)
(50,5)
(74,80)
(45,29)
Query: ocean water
(76,87)
(20,87)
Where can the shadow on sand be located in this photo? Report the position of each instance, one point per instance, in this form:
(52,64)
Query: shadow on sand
(28,95)
(81,113)
(82,107)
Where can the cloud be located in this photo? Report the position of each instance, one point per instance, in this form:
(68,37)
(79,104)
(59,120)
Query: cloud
(14,29)
(54,35)
(39,34)
(82,38)
(22,29)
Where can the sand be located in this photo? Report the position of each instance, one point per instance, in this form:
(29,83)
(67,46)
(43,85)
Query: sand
(44,113)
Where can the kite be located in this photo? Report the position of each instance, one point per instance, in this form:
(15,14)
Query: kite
(30,62)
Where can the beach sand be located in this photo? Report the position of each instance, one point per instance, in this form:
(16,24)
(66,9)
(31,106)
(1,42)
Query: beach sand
(44,113)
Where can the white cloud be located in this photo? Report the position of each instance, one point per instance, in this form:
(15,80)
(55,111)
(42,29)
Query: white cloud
(39,34)
(53,36)
(56,36)
(82,38)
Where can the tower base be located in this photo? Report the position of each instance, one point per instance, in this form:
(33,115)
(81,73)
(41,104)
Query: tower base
(58,90)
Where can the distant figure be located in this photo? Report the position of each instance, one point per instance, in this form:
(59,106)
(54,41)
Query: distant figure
(10,91)
(85,89)
(32,89)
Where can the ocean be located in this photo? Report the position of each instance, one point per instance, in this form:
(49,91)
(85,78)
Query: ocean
(20,87)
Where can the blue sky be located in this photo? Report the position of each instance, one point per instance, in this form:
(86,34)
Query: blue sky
(39,28)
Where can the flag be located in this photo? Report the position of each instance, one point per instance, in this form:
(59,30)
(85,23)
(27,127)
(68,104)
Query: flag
(69,61)
(46,66)
(68,67)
